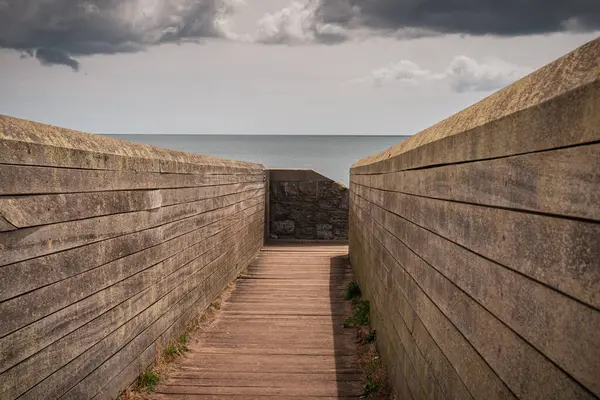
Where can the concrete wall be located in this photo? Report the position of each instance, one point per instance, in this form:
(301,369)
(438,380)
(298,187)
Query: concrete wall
(305,205)
(478,243)
(107,250)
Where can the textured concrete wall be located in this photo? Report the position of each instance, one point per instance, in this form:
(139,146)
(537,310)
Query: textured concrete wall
(107,250)
(478,243)
(305,205)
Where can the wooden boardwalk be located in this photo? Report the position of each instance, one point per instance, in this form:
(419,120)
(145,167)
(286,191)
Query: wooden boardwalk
(279,335)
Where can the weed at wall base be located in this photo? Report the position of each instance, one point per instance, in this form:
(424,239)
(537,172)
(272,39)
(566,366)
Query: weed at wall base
(147,381)
(371,386)
(376,385)
(360,316)
(352,291)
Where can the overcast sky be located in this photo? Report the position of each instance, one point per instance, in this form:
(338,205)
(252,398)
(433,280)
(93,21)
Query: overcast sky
(271,66)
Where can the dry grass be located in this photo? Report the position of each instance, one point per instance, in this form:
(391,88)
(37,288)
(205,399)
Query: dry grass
(209,316)
(133,394)
(371,366)
(374,373)
(165,358)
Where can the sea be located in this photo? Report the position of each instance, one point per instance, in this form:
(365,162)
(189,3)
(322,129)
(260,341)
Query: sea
(331,156)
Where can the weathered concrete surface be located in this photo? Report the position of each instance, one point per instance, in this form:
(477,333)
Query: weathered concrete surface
(107,250)
(280,334)
(32,143)
(305,205)
(483,268)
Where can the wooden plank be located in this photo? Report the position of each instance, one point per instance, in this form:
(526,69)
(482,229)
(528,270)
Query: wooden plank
(297,380)
(18,180)
(435,374)
(70,346)
(63,351)
(38,241)
(401,322)
(335,390)
(270,362)
(52,297)
(526,371)
(565,332)
(198,297)
(376,279)
(479,378)
(566,251)
(25,211)
(6,226)
(418,382)
(94,382)
(387,338)
(129,375)
(187,195)
(44,301)
(553,107)
(113,387)
(161,396)
(30,274)
(27,341)
(386,349)
(405,378)
(563,182)
(263,378)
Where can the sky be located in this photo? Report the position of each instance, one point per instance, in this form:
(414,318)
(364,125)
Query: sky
(336,67)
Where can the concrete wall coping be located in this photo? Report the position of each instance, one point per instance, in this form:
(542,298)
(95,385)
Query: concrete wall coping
(576,74)
(31,143)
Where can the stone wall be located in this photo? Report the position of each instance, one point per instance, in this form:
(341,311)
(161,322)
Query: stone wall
(107,250)
(305,205)
(477,242)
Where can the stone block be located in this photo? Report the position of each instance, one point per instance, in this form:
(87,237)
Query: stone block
(307,189)
(285,227)
(325,232)
(289,189)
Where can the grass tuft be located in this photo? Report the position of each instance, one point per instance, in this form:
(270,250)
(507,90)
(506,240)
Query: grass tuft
(370,338)
(147,381)
(372,386)
(175,349)
(360,315)
(374,373)
(352,291)
(183,338)
(165,357)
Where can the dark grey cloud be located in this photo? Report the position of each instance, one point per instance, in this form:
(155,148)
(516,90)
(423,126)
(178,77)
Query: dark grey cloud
(334,21)
(472,17)
(58,31)
(51,56)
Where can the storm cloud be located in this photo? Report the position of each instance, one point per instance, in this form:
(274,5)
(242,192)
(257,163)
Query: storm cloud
(408,19)
(475,17)
(58,31)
